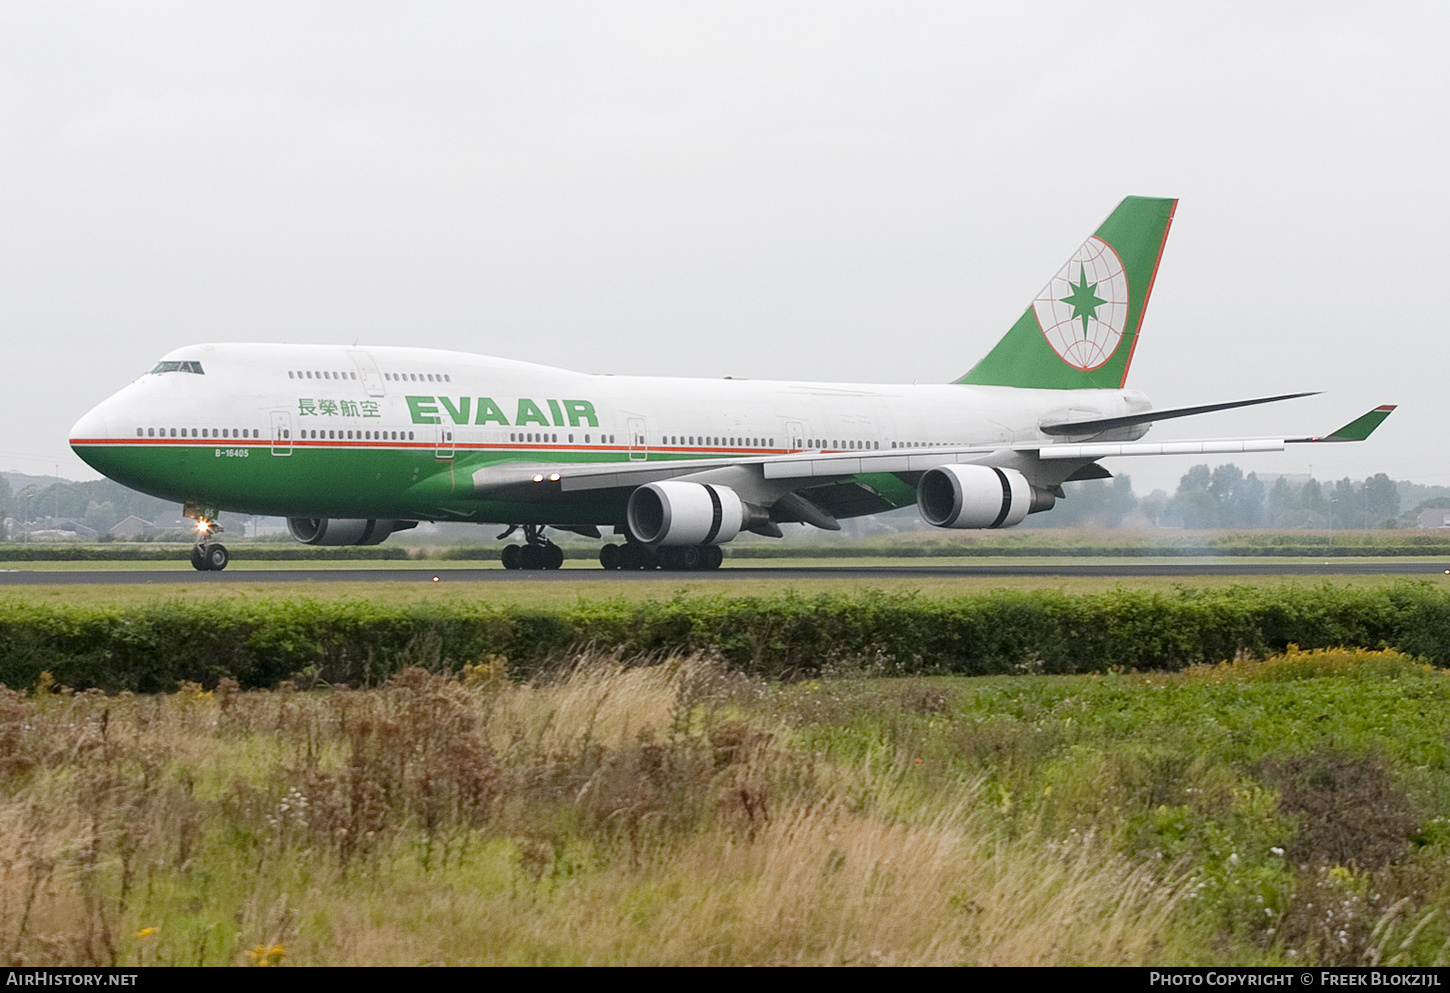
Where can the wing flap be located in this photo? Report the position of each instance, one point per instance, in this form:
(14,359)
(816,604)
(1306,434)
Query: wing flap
(1207,446)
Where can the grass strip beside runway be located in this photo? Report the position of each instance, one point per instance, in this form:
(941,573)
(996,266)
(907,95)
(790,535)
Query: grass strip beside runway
(1285,812)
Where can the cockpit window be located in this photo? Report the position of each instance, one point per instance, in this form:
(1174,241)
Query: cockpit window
(194,367)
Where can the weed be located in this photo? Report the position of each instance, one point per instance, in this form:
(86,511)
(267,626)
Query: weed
(1347,807)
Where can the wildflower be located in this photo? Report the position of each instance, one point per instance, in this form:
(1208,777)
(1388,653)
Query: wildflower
(146,932)
(267,955)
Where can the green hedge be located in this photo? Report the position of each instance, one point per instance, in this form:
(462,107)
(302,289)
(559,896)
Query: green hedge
(263,641)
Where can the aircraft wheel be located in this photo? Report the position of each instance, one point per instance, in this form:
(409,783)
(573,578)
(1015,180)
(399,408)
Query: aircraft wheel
(609,556)
(531,557)
(689,557)
(632,556)
(198,559)
(510,556)
(711,557)
(217,557)
(669,558)
(553,556)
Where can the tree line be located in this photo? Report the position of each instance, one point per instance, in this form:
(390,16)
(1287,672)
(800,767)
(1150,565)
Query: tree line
(98,504)
(1206,498)
(1224,497)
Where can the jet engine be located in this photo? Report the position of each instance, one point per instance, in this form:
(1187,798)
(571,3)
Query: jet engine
(680,513)
(343,531)
(977,496)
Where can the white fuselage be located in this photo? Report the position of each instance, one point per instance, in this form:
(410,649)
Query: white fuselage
(174,433)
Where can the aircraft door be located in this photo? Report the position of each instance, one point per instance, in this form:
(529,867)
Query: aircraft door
(795,435)
(281,432)
(372,379)
(638,440)
(446,443)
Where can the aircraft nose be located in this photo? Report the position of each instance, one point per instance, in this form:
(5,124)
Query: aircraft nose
(89,435)
(91,427)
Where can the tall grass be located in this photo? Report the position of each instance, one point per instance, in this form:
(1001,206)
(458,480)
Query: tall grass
(1280,810)
(602,813)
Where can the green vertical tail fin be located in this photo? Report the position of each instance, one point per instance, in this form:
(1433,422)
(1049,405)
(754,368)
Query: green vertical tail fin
(1080,331)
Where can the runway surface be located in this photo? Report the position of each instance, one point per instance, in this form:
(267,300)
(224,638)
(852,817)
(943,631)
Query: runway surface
(728,573)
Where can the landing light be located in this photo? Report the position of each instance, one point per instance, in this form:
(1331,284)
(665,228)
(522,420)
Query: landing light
(553,477)
(538,478)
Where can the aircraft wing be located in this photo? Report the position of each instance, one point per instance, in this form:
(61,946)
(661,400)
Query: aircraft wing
(575,477)
(1356,430)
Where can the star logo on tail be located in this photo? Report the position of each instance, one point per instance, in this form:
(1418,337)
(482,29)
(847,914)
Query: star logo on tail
(1083,299)
(1083,310)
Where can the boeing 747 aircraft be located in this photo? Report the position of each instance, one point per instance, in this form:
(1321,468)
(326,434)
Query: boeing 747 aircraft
(354,444)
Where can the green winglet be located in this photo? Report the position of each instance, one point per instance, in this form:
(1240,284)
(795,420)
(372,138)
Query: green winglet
(1363,426)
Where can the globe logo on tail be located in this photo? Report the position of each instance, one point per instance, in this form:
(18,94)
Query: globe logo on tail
(1083,310)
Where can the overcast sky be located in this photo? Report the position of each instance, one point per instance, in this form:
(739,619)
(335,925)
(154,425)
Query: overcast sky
(833,191)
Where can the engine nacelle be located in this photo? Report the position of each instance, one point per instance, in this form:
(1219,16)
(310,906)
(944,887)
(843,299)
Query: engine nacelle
(344,531)
(674,512)
(974,496)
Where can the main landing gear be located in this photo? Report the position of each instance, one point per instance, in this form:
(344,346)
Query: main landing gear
(537,552)
(208,555)
(675,558)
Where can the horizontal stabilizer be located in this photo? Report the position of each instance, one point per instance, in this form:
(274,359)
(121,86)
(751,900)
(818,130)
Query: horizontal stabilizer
(1097,424)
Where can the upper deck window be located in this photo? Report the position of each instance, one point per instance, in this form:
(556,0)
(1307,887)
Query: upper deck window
(194,367)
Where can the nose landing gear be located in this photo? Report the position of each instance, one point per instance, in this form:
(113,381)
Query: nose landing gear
(208,555)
